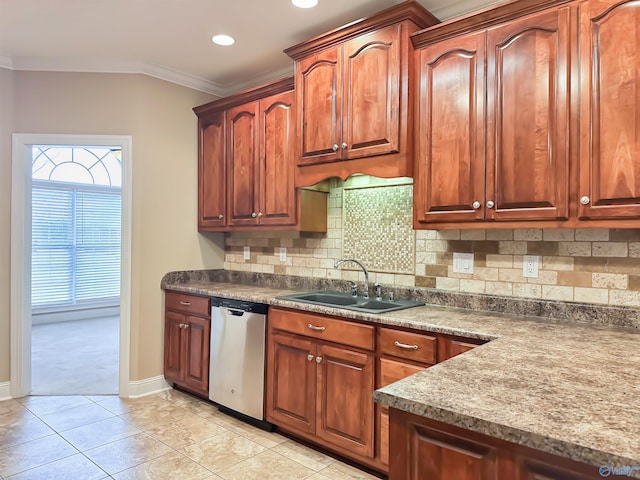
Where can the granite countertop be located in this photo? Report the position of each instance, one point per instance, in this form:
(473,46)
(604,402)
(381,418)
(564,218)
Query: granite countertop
(566,388)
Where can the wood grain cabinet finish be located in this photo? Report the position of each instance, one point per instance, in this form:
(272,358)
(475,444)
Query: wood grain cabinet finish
(609,109)
(319,390)
(427,449)
(186,342)
(521,173)
(212,193)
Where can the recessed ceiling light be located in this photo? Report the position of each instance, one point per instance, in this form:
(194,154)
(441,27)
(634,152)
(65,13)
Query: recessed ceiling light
(305,3)
(224,40)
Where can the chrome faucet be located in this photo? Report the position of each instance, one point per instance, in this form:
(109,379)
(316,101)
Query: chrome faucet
(366,274)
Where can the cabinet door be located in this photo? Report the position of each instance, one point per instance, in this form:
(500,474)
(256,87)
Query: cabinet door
(277,160)
(449,176)
(197,338)
(371,94)
(429,453)
(211,172)
(528,118)
(242,166)
(173,346)
(319,102)
(345,399)
(291,382)
(610,109)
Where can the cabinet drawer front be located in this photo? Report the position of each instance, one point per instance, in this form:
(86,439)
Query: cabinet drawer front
(191,304)
(325,328)
(413,346)
(391,371)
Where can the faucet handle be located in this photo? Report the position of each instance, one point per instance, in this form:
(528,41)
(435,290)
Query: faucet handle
(354,288)
(378,291)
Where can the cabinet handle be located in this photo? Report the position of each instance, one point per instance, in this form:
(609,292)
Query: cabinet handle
(186,304)
(405,346)
(317,329)
(476,205)
(310,357)
(585,200)
(344,145)
(186,326)
(181,325)
(335,147)
(490,204)
(220,216)
(260,214)
(254,215)
(318,359)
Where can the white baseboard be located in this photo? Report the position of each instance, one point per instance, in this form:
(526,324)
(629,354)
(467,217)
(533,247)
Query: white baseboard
(5,390)
(148,386)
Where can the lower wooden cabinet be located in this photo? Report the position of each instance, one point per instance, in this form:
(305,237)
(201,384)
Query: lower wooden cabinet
(425,449)
(187,335)
(321,390)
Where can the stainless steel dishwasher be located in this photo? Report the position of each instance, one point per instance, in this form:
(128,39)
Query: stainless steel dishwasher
(237,358)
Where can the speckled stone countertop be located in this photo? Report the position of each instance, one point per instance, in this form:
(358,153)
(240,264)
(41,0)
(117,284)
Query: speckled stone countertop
(566,388)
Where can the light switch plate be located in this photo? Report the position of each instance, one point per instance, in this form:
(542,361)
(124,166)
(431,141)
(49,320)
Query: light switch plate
(530,265)
(247,253)
(462,262)
(283,254)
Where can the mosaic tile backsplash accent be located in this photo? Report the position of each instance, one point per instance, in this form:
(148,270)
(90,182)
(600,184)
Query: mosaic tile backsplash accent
(377,227)
(598,266)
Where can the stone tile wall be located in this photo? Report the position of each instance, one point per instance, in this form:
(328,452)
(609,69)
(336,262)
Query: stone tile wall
(599,266)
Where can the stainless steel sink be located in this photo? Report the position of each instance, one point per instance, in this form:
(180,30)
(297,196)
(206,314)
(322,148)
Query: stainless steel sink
(329,298)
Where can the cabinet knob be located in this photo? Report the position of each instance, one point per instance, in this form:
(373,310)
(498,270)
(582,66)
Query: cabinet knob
(344,145)
(185,325)
(254,215)
(490,204)
(220,216)
(476,205)
(335,147)
(181,325)
(310,357)
(260,214)
(585,200)
(318,359)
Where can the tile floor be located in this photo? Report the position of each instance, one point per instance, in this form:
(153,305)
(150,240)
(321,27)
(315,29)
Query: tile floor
(170,435)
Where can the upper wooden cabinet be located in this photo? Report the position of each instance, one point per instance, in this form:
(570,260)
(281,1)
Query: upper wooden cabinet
(353,88)
(506,159)
(609,109)
(246,163)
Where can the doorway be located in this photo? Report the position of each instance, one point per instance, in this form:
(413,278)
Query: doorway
(71,243)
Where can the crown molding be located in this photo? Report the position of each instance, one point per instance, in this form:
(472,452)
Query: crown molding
(155,71)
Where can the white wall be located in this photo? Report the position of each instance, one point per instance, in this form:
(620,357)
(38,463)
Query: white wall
(158,116)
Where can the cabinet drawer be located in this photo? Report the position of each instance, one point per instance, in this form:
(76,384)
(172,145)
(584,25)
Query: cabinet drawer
(325,328)
(391,371)
(191,304)
(412,346)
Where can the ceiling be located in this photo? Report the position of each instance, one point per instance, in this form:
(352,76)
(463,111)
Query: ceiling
(170,39)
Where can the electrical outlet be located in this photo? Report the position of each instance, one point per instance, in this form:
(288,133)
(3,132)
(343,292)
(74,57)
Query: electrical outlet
(283,254)
(530,265)
(247,253)
(462,262)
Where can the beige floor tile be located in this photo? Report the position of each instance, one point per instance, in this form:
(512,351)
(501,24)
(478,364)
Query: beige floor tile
(76,417)
(318,476)
(186,431)
(261,437)
(268,464)
(23,430)
(119,405)
(99,433)
(28,455)
(100,398)
(341,471)
(12,410)
(220,418)
(74,467)
(186,401)
(304,455)
(222,451)
(172,466)
(43,405)
(155,416)
(126,453)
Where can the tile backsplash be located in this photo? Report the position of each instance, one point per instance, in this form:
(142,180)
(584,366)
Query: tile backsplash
(584,265)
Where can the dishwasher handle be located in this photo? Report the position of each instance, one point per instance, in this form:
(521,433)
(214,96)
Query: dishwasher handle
(235,313)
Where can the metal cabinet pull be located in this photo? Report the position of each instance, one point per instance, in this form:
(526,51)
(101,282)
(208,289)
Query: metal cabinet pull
(310,357)
(220,216)
(585,200)
(335,147)
(344,145)
(405,346)
(317,329)
(490,204)
(476,205)
(318,359)
(186,304)
(260,214)
(181,325)
(254,214)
